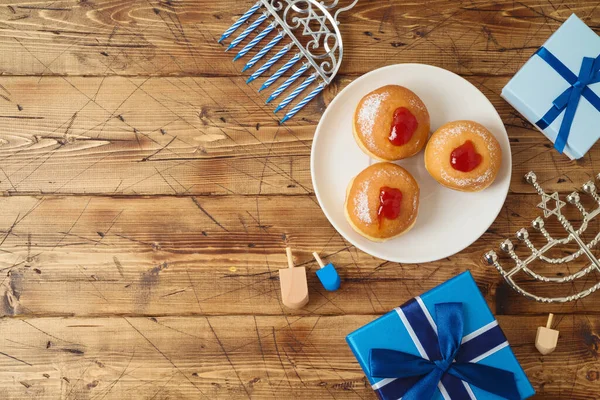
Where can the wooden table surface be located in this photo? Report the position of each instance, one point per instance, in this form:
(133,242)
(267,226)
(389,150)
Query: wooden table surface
(148,196)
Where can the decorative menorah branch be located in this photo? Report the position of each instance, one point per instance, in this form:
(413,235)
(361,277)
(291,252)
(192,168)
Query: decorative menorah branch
(551,205)
(310,29)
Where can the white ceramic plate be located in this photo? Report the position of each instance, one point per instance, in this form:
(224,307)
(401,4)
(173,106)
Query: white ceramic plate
(448,220)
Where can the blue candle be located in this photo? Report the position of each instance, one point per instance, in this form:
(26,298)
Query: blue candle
(301,104)
(269,63)
(288,82)
(281,71)
(248,30)
(297,91)
(255,41)
(264,51)
(240,21)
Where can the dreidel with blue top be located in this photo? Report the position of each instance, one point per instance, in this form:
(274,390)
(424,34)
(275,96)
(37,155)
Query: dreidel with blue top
(327,275)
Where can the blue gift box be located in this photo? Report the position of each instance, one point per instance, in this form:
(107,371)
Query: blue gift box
(533,91)
(396,331)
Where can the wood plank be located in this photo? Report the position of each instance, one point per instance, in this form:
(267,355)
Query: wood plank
(134,135)
(164,255)
(147,195)
(129,136)
(242,357)
(180,38)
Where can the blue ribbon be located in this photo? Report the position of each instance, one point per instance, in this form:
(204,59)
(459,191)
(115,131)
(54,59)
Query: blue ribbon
(447,364)
(569,99)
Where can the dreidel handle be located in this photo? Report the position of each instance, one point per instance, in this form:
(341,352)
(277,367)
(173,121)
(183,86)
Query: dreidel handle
(549,323)
(290,258)
(319,261)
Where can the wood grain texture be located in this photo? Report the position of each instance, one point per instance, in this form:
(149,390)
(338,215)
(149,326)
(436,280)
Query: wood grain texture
(196,136)
(164,255)
(149,37)
(147,196)
(243,357)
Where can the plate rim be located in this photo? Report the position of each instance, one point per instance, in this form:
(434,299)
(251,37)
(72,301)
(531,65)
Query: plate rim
(317,133)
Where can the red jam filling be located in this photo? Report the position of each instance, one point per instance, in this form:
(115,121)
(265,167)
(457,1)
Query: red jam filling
(404,125)
(389,203)
(464,158)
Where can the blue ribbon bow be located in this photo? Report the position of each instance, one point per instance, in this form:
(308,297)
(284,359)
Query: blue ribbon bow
(385,363)
(569,99)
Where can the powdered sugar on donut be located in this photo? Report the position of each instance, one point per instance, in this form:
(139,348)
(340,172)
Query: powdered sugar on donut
(367,115)
(416,103)
(362,210)
(462,182)
(361,206)
(439,140)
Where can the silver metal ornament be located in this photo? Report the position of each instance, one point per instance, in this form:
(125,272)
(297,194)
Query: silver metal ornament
(308,26)
(551,205)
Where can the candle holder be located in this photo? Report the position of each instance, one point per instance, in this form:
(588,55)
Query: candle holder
(551,205)
(310,29)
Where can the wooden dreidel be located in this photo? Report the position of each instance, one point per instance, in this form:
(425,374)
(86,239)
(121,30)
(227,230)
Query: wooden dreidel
(327,274)
(546,338)
(292,280)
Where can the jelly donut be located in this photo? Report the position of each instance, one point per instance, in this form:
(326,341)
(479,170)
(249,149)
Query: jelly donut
(391,123)
(382,202)
(464,156)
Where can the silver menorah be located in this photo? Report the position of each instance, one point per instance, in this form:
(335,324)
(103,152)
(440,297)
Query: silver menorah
(310,29)
(573,235)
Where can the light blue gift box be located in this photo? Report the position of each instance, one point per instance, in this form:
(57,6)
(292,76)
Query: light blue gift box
(390,332)
(534,88)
